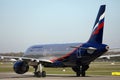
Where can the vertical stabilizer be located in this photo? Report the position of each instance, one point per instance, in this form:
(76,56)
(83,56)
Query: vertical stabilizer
(97,33)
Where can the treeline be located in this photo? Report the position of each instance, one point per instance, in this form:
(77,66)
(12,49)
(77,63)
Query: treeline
(19,54)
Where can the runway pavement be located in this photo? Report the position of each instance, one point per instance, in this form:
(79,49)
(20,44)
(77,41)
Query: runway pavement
(29,76)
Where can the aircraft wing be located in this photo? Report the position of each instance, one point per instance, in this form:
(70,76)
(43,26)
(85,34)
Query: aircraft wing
(26,59)
(109,56)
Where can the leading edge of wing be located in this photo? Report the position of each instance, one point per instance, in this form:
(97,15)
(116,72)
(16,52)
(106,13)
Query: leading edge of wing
(109,56)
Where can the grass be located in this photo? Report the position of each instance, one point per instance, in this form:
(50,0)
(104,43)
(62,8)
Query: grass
(103,68)
(96,68)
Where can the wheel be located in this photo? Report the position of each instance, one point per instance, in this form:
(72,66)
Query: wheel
(35,74)
(43,74)
(83,74)
(38,74)
(84,68)
(78,74)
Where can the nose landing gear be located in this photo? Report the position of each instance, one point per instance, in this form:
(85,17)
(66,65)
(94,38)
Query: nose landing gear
(38,71)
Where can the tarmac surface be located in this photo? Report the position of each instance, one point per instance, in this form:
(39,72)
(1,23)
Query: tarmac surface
(30,76)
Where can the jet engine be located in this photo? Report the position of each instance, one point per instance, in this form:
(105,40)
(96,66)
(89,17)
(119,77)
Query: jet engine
(21,67)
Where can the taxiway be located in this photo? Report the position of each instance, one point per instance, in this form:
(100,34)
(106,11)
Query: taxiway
(29,76)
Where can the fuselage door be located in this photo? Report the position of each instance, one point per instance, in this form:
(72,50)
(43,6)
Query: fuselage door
(79,55)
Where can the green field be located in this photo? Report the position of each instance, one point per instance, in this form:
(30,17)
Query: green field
(96,68)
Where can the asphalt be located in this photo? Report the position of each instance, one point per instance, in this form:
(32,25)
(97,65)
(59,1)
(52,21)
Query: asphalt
(29,76)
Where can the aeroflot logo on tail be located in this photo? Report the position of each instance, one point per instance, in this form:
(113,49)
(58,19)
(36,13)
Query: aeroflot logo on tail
(99,24)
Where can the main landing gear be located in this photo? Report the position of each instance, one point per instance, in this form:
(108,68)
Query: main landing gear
(80,70)
(38,71)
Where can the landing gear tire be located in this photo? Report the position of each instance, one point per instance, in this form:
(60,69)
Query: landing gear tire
(43,74)
(83,74)
(78,74)
(40,74)
(80,70)
(37,74)
(84,68)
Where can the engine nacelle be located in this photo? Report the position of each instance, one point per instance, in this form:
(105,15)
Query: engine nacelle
(20,67)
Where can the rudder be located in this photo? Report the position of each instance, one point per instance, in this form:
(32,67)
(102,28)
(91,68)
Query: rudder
(97,33)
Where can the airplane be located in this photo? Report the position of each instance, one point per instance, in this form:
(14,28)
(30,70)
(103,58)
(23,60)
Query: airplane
(109,56)
(78,56)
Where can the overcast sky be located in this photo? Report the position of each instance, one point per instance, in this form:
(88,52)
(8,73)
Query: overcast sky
(29,22)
